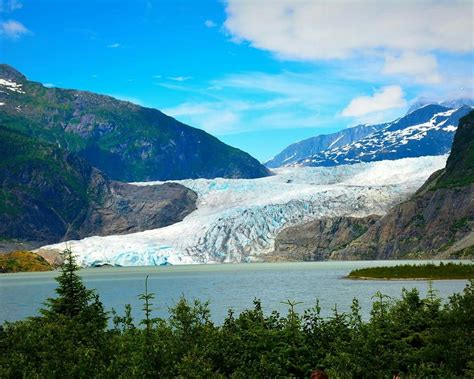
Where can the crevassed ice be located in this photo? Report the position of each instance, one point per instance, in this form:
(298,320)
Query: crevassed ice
(237,219)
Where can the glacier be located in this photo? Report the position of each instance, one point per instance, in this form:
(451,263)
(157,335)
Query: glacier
(237,219)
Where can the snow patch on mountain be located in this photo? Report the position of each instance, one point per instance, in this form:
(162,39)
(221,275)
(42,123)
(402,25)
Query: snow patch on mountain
(12,86)
(237,219)
(425,132)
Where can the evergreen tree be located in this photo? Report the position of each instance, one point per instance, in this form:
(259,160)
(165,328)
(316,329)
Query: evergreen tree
(74,299)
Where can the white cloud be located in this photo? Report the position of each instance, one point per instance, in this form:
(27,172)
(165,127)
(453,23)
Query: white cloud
(13,29)
(114,45)
(179,78)
(307,89)
(210,24)
(310,30)
(422,67)
(388,98)
(48,85)
(10,5)
(212,117)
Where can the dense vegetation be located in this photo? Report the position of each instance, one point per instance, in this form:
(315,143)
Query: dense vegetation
(18,261)
(460,165)
(413,336)
(424,271)
(45,189)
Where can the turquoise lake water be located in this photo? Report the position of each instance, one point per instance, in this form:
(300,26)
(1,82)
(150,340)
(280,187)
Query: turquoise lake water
(225,286)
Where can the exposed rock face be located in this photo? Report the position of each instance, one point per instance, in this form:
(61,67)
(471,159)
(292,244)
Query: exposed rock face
(49,195)
(424,226)
(127,209)
(437,222)
(125,141)
(315,240)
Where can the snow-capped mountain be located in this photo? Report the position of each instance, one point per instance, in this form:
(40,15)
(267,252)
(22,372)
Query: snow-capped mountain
(237,219)
(314,145)
(428,130)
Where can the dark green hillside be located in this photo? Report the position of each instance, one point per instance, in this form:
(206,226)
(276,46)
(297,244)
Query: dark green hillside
(43,188)
(48,194)
(126,141)
(460,166)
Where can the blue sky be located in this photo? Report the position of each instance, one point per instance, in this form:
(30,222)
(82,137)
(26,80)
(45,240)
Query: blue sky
(258,75)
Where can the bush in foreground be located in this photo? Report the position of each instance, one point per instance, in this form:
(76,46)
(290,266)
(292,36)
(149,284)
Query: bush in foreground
(413,336)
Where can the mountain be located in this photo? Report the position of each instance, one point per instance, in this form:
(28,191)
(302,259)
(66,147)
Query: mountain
(237,220)
(125,141)
(308,147)
(428,130)
(48,194)
(315,240)
(438,221)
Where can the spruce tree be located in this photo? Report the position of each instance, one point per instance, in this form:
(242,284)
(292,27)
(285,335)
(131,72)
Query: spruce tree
(74,300)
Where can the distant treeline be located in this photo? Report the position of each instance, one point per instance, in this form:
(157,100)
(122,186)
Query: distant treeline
(411,337)
(424,271)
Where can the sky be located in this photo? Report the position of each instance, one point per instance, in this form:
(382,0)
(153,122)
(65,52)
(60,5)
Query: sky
(259,75)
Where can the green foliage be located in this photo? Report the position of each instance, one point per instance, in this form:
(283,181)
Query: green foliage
(412,336)
(425,271)
(74,300)
(460,166)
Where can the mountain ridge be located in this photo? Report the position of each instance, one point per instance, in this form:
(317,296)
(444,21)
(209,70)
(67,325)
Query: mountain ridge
(313,145)
(427,130)
(124,140)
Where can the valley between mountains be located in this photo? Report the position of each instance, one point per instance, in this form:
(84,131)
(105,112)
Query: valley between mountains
(125,185)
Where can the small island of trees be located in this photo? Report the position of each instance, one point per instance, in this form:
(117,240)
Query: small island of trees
(429,271)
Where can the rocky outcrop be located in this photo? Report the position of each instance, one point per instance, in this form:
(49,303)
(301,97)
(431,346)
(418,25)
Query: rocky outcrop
(425,226)
(438,221)
(48,195)
(315,240)
(125,208)
(125,141)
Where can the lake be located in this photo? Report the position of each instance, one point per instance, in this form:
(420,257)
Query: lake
(225,286)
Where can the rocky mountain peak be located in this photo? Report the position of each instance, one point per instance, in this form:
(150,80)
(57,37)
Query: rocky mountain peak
(9,73)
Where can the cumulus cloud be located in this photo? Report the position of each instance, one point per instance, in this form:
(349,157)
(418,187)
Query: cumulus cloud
(387,98)
(210,24)
(325,30)
(422,67)
(13,29)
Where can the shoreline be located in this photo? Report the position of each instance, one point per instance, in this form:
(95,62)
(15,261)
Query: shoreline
(402,279)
